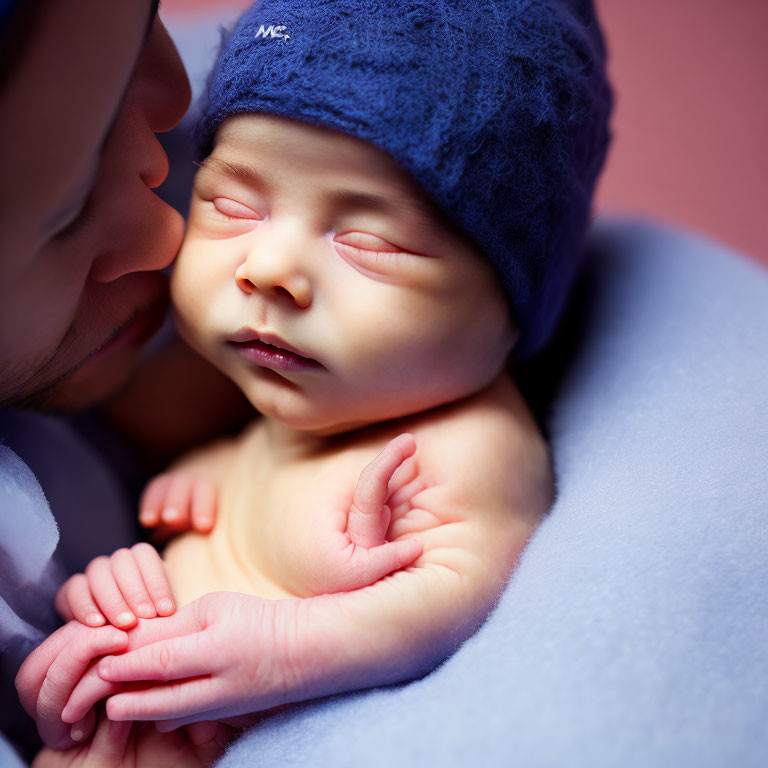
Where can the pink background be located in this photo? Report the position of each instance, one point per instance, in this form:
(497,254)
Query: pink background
(691,116)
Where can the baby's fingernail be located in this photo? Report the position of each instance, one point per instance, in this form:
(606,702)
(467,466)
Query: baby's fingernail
(146,611)
(170,515)
(125,618)
(166,606)
(94,619)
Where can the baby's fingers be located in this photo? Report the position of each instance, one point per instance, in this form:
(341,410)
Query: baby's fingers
(89,690)
(173,700)
(369,565)
(369,517)
(107,594)
(153,574)
(177,501)
(109,743)
(177,505)
(128,576)
(75,601)
(172,659)
(203,505)
(63,675)
(153,501)
(83,727)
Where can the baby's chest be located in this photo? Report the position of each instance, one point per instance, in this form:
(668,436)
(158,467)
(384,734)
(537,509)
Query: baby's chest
(263,533)
(274,520)
(278,502)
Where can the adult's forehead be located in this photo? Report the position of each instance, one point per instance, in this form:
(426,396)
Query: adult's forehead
(73,60)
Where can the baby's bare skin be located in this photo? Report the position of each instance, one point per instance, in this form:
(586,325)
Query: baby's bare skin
(473,494)
(408,331)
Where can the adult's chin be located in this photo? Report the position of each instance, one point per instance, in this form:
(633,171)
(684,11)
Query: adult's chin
(96,381)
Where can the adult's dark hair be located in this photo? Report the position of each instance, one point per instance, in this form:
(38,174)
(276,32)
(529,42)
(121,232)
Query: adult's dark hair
(18,21)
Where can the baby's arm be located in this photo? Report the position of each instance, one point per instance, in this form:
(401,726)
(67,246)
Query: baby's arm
(405,624)
(228,654)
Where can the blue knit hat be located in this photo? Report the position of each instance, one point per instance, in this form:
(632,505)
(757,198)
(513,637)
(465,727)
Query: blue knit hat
(498,108)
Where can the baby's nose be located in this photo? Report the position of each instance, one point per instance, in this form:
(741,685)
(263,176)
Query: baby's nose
(274,276)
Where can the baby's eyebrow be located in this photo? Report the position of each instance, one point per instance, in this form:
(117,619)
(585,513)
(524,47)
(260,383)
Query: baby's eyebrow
(348,198)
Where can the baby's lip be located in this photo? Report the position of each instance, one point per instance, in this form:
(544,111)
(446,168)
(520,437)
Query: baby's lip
(246,335)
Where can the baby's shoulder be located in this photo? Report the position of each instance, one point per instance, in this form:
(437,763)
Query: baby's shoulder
(486,450)
(495,423)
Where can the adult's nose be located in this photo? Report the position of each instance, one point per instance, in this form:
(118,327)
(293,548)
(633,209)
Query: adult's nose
(148,231)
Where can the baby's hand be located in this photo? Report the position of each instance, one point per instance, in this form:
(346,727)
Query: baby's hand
(51,673)
(129,584)
(360,554)
(177,501)
(221,656)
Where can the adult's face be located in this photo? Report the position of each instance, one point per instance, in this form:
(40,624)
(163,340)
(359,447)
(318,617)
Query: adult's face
(81,232)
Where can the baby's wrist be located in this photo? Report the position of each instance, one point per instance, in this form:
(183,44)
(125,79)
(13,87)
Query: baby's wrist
(337,649)
(309,647)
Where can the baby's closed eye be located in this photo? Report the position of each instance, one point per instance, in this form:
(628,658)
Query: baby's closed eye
(368,251)
(232,209)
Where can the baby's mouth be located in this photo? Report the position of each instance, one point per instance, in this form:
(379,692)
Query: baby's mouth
(270,350)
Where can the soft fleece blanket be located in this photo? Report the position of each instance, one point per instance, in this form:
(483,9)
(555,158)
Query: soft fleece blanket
(635,630)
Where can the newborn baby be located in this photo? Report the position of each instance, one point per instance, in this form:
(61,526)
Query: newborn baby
(357,323)
(392,444)
(373,236)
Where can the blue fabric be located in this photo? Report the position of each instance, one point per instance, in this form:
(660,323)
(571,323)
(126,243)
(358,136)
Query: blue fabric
(29,579)
(42,460)
(9,758)
(634,631)
(499,110)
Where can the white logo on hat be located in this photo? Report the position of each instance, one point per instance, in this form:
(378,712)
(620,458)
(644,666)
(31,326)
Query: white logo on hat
(272,32)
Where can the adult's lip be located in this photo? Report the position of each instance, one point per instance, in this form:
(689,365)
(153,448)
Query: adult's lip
(268,348)
(139,328)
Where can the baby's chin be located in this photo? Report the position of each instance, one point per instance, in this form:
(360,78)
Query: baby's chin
(324,419)
(311,422)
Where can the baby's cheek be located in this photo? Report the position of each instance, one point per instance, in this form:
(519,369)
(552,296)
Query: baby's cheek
(195,282)
(191,312)
(182,283)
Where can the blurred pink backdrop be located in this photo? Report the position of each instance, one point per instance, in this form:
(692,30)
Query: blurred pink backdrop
(691,117)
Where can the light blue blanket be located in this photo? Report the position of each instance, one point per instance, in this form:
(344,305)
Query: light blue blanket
(635,631)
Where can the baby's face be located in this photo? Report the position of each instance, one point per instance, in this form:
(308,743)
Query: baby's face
(318,277)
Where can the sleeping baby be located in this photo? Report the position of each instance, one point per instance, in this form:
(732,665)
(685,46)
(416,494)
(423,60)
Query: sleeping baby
(383,219)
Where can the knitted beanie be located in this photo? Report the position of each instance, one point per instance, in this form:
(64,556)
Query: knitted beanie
(498,108)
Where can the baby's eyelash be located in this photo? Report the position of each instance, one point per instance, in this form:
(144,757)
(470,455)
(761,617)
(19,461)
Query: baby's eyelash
(233,218)
(372,258)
